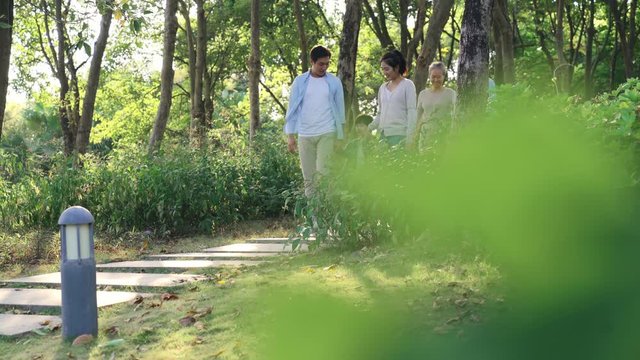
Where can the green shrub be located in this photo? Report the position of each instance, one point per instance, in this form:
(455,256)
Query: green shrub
(178,191)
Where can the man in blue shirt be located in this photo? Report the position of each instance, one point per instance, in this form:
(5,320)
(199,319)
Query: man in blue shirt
(316,115)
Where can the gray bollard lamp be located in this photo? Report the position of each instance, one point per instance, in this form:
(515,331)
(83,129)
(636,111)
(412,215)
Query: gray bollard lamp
(78,273)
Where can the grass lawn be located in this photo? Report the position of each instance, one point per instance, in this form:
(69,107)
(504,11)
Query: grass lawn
(328,304)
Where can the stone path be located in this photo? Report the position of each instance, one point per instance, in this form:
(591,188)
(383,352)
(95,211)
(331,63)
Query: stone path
(13,324)
(176,264)
(35,298)
(256,248)
(210,255)
(247,254)
(118,279)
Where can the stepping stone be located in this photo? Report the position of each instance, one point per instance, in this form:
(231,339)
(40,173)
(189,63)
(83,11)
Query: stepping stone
(208,255)
(53,297)
(257,248)
(119,279)
(13,324)
(177,264)
(275,240)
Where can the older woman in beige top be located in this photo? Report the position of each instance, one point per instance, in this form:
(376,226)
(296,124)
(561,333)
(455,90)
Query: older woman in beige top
(436,108)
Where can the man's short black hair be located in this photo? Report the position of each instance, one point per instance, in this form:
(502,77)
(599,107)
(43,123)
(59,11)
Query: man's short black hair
(364,119)
(318,52)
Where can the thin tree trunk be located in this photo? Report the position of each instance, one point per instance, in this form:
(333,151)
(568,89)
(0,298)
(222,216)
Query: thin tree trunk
(198,120)
(627,41)
(498,63)
(191,52)
(254,70)
(208,100)
(6,33)
(89,101)
(505,34)
(166,75)
(348,56)
(588,57)
(378,24)
(68,135)
(561,71)
(473,65)
(404,30)
(537,16)
(418,31)
(304,52)
(439,16)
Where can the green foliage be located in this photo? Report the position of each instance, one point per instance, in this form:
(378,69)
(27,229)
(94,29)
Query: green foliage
(179,191)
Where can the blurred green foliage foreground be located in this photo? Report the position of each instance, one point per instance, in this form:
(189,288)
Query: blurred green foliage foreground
(550,202)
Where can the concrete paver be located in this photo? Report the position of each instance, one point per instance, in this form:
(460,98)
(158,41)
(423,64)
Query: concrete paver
(275,240)
(118,279)
(16,324)
(210,255)
(256,248)
(53,297)
(177,264)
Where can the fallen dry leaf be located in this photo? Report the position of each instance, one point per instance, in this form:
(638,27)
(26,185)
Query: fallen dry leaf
(199,313)
(137,300)
(111,331)
(199,325)
(199,340)
(330,267)
(168,297)
(187,321)
(54,327)
(82,340)
(44,322)
(218,353)
(155,304)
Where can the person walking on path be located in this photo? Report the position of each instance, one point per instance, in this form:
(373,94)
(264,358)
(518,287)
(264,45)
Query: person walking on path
(316,114)
(436,109)
(396,118)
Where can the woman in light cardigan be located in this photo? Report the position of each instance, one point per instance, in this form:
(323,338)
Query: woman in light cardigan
(396,118)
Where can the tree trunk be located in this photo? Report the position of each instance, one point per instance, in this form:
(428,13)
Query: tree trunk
(504,35)
(348,56)
(538,14)
(6,33)
(473,64)
(68,133)
(627,40)
(418,31)
(191,52)
(404,30)
(198,126)
(89,101)
(561,71)
(498,64)
(208,100)
(166,75)
(304,52)
(254,70)
(588,57)
(378,23)
(438,20)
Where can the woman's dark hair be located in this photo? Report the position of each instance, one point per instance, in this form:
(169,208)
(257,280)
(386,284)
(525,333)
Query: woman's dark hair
(318,52)
(395,59)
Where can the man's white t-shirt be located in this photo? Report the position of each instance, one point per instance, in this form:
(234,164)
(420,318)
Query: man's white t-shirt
(316,117)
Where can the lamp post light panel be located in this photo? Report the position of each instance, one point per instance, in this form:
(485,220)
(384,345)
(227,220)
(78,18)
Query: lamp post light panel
(77,241)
